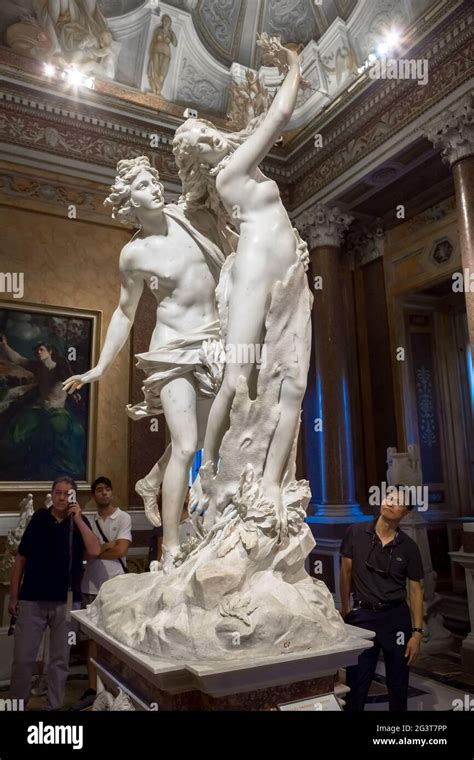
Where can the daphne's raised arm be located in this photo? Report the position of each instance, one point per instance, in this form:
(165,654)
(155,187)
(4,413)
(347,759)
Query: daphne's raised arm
(247,157)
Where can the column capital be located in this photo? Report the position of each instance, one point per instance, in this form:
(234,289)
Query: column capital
(365,241)
(323,225)
(453,131)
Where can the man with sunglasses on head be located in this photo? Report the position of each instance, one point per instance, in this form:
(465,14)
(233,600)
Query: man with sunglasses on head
(377,561)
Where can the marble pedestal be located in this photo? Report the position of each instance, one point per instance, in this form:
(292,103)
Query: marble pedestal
(466,559)
(151,683)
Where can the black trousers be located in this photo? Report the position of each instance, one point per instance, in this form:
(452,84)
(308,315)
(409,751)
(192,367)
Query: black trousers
(392,631)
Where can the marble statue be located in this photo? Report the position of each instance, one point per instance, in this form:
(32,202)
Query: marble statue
(404,467)
(14,537)
(267,254)
(69,21)
(173,254)
(160,54)
(240,588)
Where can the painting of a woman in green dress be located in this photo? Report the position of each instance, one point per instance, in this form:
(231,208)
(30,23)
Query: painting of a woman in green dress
(42,430)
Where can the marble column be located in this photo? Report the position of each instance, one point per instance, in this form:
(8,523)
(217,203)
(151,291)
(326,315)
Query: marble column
(326,412)
(453,133)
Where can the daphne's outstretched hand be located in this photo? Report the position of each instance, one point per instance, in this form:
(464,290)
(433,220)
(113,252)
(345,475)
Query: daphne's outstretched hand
(276,54)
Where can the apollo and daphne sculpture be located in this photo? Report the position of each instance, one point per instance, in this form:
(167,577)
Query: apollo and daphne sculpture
(241,587)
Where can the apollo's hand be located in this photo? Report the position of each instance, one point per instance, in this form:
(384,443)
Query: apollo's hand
(75,382)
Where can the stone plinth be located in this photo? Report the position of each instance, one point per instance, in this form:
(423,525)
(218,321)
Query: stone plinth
(152,683)
(467,652)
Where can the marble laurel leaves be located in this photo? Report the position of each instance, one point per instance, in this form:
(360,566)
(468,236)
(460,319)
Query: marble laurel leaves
(241,590)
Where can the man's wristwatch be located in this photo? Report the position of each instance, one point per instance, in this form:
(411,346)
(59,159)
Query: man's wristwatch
(417,630)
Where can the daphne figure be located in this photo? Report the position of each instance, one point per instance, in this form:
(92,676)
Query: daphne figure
(218,168)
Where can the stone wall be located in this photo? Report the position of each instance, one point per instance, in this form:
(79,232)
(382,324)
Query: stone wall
(72,263)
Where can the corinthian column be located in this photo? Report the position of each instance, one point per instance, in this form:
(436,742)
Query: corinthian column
(453,133)
(326,411)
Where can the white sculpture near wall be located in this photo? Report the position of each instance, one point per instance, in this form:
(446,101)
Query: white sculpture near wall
(404,468)
(106,701)
(242,588)
(14,537)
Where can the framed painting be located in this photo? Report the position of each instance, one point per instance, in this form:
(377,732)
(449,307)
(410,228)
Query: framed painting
(44,432)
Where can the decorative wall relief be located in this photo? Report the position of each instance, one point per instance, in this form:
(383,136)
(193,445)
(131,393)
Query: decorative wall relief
(427,406)
(292,20)
(424,390)
(248,98)
(195,89)
(442,251)
(220,16)
(65,32)
(340,64)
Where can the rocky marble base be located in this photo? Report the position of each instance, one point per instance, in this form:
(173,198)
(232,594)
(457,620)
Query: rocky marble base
(153,683)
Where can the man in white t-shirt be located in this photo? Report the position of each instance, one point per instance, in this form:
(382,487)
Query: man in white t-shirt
(113,528)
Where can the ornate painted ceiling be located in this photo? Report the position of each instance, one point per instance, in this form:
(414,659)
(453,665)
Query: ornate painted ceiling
(190,52)
(151,60)
(228,27)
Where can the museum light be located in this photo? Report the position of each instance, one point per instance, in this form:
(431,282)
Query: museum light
(72,76)
(387,45)
(392,38)
(49,70)
(391,41)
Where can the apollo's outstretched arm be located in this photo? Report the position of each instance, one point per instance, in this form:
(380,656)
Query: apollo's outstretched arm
(118,330)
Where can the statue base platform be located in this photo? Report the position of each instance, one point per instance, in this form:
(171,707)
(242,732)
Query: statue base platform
(137,681)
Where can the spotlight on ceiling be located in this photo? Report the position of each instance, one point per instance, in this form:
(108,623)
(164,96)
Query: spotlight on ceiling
(90,83)
(49,70)
(392,38)
(74,77)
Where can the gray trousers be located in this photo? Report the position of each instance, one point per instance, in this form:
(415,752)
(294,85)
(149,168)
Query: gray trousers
(33,619)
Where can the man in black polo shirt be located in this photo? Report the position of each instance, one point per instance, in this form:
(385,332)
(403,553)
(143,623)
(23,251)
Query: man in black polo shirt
(377,560)
(47,565)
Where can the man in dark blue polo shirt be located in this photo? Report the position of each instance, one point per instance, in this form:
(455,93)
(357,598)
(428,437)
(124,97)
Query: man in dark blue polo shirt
(48,565)
(377,561)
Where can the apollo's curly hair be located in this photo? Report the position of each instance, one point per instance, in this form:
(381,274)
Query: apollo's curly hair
(120,192)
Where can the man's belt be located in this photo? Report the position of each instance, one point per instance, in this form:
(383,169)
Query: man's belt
(374,606)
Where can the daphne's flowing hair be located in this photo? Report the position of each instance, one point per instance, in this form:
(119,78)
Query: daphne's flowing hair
(198,179)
